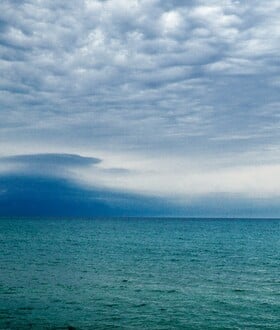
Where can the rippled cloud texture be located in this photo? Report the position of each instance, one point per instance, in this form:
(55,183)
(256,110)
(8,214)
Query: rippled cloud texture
(172,100)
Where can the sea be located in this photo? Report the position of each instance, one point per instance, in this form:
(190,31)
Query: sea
(139,273)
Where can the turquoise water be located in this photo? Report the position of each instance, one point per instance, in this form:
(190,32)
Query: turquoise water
(139,274)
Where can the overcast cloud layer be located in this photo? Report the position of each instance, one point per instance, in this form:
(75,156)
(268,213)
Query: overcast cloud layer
(171,99)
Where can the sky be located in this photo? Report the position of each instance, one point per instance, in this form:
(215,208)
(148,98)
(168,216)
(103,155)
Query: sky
(140,107)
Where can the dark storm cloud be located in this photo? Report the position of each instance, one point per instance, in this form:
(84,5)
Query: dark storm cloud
(45,196)
(29,195)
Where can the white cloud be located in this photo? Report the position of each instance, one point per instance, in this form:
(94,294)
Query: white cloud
(183,179)
(171,22)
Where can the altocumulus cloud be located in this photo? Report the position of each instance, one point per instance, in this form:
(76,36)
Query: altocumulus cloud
(179,100)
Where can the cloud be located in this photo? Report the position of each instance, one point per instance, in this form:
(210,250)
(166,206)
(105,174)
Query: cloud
(50,196)
(64,160)
(35,191)
(53,165)
(142,81)
(25,196)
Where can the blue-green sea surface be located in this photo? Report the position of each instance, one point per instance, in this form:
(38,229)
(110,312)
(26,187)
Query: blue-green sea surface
(139,274)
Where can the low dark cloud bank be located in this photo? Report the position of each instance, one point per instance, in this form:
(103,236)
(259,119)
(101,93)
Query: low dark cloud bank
(42,187)
(34,191)
(26,195)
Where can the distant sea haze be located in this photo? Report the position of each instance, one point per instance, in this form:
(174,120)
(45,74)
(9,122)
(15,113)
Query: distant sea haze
(135,273)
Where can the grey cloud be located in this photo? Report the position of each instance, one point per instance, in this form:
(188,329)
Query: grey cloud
(111,74)
(47,164)
(56,159)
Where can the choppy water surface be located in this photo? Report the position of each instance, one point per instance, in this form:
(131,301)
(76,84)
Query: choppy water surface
(139,274)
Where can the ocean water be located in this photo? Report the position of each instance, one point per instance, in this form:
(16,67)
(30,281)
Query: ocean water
(139,274)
